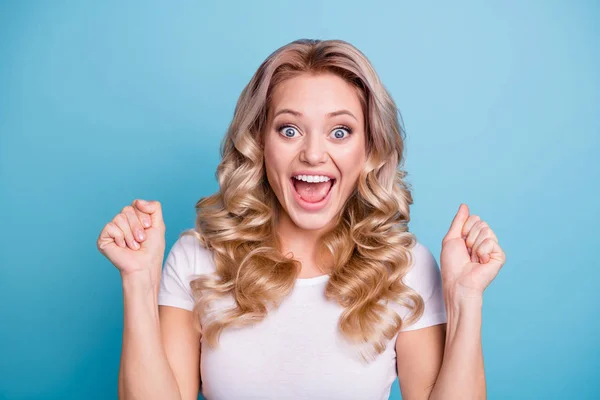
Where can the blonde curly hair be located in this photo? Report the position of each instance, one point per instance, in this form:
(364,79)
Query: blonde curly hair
(367,251)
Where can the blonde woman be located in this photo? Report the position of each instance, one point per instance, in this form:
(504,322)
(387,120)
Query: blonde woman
(300,279)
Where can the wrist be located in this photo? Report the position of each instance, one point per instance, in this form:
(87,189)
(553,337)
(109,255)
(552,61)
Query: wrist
(137,281)
(463,311)
(460,298)
(140,299)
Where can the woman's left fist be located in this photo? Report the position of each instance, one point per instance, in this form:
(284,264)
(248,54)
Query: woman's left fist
(471,256)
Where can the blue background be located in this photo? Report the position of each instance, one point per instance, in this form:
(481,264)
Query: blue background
(107,102)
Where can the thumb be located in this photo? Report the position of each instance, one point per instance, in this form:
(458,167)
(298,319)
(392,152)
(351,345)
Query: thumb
(458,222)
(154,209)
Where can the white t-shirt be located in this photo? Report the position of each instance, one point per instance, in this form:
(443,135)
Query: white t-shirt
(295,352)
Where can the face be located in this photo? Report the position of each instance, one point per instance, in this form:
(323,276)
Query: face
(314,147)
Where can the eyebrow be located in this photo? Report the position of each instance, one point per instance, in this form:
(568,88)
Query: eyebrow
(330,115)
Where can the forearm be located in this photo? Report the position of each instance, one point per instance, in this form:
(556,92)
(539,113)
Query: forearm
(462,374)
(144,372)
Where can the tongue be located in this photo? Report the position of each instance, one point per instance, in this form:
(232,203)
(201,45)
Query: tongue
(312,192)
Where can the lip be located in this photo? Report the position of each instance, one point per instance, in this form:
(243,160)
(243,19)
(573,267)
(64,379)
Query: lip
(311,206)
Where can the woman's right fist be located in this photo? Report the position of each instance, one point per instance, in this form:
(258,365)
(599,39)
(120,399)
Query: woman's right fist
(135,239)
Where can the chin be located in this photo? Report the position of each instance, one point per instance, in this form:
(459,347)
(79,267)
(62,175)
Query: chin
(311,222)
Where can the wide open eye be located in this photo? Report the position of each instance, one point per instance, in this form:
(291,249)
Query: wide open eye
(287,130)
(338,133)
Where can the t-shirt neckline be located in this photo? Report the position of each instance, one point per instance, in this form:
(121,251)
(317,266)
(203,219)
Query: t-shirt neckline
(312,281)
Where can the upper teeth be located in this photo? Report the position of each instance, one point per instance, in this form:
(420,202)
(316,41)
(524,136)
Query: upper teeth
(312,178)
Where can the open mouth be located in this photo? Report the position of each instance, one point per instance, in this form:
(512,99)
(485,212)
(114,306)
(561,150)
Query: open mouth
(312,192)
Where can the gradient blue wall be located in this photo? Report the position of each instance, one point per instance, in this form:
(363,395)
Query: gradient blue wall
(103,103)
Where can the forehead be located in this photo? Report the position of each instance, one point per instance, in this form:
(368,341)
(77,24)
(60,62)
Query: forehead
(316,95)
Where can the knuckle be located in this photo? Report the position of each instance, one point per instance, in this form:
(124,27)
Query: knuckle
(117,232)
(142,215)
(125,225)
(134,221)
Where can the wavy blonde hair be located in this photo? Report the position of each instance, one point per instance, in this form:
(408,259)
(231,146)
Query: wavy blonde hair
(367,250)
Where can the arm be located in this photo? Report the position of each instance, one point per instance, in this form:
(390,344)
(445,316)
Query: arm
(160,350)
(420,347)
(145,372)
(419,358)
(160,357)
(445,361)
(471,258)
(182,345)
(462,374)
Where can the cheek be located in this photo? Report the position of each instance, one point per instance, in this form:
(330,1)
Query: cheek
(353,160)
(270,155)
(275,162)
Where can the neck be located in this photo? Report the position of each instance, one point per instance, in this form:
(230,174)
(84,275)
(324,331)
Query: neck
(301,243)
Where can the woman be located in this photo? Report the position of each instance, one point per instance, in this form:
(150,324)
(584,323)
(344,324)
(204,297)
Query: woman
(301,279)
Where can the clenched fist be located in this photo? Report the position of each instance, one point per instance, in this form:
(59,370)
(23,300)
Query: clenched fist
(134,240)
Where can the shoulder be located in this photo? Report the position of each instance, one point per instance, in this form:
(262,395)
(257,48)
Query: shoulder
(424,277)
(422,259)
(186,260)
(189,254)
(423,274)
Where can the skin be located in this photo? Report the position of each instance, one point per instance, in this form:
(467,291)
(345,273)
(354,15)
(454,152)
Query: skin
(444,361)
(318,142)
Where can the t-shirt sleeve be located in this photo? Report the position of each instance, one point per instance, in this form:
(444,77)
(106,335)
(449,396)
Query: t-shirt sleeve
(425,278)
(177,273)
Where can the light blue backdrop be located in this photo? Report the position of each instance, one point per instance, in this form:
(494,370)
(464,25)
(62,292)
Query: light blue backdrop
(103,103)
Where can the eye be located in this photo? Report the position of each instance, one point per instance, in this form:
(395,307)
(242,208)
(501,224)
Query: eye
(338,132)
(288,131)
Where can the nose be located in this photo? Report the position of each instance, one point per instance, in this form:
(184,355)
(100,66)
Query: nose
(314,150)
